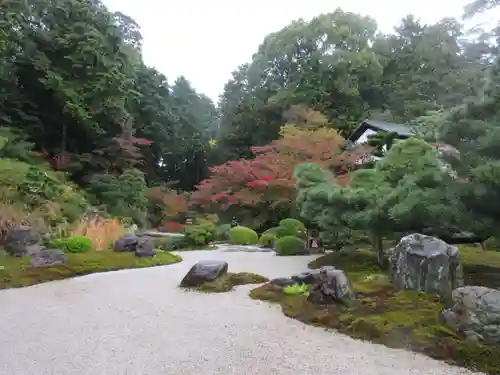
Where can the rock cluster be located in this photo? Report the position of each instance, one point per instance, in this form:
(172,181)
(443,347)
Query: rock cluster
(142,247)
(328,285)
(25,241)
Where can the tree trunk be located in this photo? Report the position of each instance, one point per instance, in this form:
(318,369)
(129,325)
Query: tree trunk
(378,246)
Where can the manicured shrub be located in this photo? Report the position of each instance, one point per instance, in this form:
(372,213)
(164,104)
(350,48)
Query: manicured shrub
(243,236)
(273,230)
(291,227)
(75,245)
(267,239)
(290,245)
(200,234)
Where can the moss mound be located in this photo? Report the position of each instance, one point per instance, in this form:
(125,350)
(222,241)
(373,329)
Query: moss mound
(398,319)
(230,280)
(17,272)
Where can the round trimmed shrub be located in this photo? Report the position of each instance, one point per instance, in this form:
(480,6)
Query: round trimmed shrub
(492,244)
(291,227)
(76,244)
(273,230)
(290,245)
(243,236)
(267,239)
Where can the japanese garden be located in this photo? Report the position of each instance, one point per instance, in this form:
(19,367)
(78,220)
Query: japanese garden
(343,193)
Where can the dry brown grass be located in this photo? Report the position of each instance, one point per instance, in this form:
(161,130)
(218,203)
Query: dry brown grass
(102,232)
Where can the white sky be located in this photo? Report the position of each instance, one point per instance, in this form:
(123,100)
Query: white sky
(206,40)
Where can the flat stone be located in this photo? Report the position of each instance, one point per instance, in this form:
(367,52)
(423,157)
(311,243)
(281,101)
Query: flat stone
(48,258)
(204,271)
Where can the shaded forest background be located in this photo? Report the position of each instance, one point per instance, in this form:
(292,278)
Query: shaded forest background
(80,108)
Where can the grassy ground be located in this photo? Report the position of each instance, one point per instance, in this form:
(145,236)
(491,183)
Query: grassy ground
(229,281)
(400,319)
(16,272)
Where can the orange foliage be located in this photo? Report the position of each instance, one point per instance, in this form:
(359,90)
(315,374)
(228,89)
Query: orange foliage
(102,232)
(171,203)
(267,179)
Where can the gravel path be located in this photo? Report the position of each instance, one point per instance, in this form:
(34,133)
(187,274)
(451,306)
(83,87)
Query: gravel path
(137,322)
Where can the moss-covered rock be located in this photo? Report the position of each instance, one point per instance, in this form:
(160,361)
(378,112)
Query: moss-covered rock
(382,314)
(229,281)
(16,272)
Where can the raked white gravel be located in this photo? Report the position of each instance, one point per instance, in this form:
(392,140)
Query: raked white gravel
(138,322)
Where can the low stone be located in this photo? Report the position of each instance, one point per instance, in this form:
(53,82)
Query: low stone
(204,271)
(475,314)
(427,264)
(331,286)
(309,277)
(126,244)
(48,258)
(145,248)
(23,241)
(282,281)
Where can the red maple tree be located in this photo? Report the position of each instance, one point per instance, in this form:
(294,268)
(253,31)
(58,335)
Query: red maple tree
(266,182)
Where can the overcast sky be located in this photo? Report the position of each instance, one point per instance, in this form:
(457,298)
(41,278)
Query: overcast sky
(206,40)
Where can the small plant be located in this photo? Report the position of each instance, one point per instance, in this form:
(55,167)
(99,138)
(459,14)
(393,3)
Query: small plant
(290,245)
(296,289)
(243,236)
(267,239)
(102,232)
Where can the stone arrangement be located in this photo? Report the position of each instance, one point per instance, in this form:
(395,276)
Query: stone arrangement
(426,264)
(142,247)
(204,271)
(475,313)
(25,241)
(328,285)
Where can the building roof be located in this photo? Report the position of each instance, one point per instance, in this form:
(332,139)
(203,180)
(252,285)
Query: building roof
(404,131)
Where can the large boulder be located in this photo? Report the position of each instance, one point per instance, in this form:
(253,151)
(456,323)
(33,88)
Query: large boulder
(23,241)
(145,248)
(475,313)
(126,244)
(427,264)
(48,258)
(331,286)
(203,271)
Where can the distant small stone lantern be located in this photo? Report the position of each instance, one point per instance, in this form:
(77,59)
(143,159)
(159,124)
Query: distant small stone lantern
(314,242)
(234,222)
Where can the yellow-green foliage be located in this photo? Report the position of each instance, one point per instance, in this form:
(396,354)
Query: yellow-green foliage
(267,239)
(230,280)
(290,245)
(17,272)
(243,236)
(400,319)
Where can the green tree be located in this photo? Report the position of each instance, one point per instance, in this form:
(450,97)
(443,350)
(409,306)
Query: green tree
(407,191)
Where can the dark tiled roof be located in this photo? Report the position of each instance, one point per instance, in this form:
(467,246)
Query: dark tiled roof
(402,130)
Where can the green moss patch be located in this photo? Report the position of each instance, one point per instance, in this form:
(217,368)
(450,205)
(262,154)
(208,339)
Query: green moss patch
(381,314)
(230,280)
(16,272)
